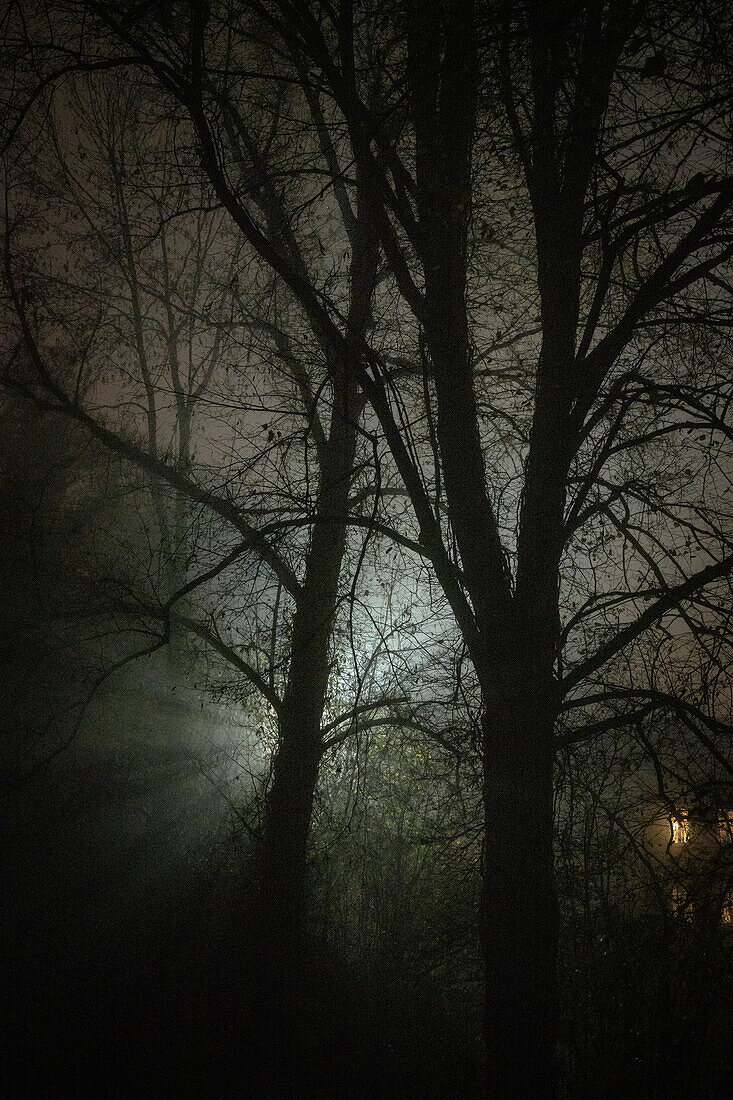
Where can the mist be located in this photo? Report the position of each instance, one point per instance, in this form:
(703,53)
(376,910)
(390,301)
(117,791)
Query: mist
(366,560)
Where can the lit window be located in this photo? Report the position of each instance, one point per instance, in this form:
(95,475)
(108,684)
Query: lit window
(725,827)
(727,913)
(680,902)
(680,830)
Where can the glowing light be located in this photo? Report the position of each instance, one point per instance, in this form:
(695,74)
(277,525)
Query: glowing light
(680,903)
(680,830)
(725,827)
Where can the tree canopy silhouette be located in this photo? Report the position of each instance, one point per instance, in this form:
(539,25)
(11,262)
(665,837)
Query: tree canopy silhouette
(503,233)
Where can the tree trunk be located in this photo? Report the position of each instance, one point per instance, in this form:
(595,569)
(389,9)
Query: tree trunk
(277,1025)
(278,910)
(519,909)
(281,885)
(514,660)
(282,869)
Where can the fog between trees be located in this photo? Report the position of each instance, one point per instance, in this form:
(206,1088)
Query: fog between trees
(367,380)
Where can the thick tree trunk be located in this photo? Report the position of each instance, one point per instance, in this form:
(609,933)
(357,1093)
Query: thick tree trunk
(518,913)
(276,932)
(514,660)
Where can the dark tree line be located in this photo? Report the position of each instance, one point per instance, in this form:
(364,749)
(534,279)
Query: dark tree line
(489,246)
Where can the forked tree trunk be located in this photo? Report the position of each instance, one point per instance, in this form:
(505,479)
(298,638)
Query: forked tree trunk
(518,908)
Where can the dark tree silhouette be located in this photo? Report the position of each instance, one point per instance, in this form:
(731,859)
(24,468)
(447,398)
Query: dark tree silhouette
(566,161)
(164,269)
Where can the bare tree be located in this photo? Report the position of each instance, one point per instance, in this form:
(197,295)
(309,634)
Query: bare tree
(156,341)
(597,135)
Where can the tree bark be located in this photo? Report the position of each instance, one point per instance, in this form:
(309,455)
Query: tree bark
(276,934)
(282,868)
(281,874)
(518,630)
(518,912)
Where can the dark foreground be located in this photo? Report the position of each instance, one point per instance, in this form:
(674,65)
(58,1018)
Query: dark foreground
(113,1008)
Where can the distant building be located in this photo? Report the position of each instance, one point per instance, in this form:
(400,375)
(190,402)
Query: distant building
(692,841)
